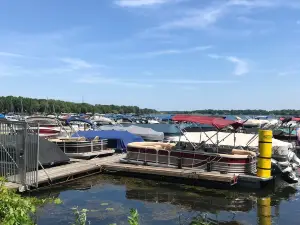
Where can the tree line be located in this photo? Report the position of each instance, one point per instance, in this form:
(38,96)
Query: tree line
(50,106)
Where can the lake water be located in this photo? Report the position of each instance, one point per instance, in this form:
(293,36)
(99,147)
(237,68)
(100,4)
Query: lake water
(110,198)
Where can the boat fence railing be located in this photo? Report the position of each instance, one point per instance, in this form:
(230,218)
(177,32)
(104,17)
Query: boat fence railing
(93,145)
(19,153)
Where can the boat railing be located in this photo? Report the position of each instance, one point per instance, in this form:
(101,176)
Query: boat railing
(68,147)
(209,162)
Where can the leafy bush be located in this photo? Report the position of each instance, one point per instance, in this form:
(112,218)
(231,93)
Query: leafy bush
(18,210)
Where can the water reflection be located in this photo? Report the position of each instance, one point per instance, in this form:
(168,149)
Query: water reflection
(109,199)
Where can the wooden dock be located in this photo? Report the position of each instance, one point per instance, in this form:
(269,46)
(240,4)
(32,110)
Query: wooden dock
(94,154)
(79,168)
(64,173)
(170,172)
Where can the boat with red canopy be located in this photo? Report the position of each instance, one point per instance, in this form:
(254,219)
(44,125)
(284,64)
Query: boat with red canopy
(200,156)
(218,123)
(190,157)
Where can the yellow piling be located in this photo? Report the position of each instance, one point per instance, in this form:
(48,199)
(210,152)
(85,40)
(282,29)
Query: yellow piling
(265,153)
(264,211)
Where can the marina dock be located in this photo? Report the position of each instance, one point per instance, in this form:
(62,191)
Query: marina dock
(64,173)
(170,172)
(79,168)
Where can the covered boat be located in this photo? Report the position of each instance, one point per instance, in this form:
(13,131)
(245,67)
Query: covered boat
(47,127)
(171,154)
(115,139)
(207,154)
(80,147)
(147,134)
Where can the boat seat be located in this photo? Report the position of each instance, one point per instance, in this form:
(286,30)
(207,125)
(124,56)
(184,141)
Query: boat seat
(72,139)
(96,139)
(243,152)
(152,145)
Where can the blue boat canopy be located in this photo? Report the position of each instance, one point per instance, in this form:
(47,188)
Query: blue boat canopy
(116,139)
(2,116)
(80,119)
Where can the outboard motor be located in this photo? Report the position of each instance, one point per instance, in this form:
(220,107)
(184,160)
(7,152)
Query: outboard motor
(286,166)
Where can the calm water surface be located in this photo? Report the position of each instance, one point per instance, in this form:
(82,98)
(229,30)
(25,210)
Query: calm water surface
(109,199)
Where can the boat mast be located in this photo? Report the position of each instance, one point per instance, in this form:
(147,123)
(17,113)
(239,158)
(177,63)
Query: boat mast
(46,107)
(22,106)
(11,105)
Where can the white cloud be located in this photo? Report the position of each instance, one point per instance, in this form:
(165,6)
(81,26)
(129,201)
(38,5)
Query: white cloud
(254,3)
(201,18)
(112,81)
(192,81)
(139,3)
(77,64)
(214,56)
(288,73)
(241,66)
(252,21)
(196,19)
(167,52)
(147,83)
(9,54)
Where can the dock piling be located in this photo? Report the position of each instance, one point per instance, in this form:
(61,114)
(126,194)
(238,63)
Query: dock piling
(265,153)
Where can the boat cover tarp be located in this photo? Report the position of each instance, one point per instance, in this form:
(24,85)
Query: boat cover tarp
(146,133)
(166,117)
(287,119)
(219,123)
(2,116)
(241,139)
(102,119)
(50,154)
(79,119)
(120,138)
(167,129)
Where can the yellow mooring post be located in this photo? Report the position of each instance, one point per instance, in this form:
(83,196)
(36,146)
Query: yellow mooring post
(265,153)
(264,211)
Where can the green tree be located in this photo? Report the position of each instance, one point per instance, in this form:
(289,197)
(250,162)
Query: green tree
(30,105)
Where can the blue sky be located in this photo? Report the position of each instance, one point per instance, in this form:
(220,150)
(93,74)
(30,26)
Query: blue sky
(163,54)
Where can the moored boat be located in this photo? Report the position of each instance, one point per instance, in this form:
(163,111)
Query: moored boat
(210,158)
(80,147)
(46,126)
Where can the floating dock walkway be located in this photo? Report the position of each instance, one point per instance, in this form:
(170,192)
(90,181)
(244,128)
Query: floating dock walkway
(170,172)
(79,168)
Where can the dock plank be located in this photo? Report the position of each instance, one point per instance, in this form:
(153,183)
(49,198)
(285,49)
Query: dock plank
(163,171)
(11,185)
(64,171)
(112,163)
(90,154)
